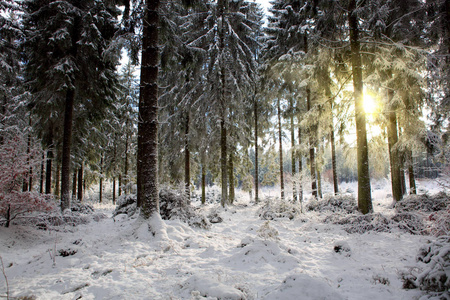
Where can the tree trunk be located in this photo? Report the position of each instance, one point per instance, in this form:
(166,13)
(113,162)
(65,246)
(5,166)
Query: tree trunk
(187,158)
(57,179)
(280,140)
(80,183)
(255,108)
(293,162)
(312,159)
(231,176)
(125,183)
(223,162)
(74,185)
(8,216)
(147,166)
(300,167)
(203,179)
(100,197)
(412,180)
(48,171)
(67,140)
(120,186)
(41,182)
(364,193)
(114,191)
(333,161)
(393,153)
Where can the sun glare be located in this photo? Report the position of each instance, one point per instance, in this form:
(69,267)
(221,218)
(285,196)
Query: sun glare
(370,106)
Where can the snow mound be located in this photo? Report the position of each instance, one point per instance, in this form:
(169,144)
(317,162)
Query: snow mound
(340,203)
(305,287)
(206,286)
(424,203)
(276,208)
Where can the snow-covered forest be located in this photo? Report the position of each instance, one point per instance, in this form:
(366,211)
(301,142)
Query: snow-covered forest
(196,149)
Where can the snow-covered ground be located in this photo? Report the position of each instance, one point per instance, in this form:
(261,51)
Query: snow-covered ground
(244,257)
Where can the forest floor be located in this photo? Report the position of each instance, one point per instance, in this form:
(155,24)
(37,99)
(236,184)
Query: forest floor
(243,257)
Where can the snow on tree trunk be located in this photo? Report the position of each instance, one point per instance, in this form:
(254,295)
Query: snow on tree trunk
(364,193)
(280,141)
(147,168)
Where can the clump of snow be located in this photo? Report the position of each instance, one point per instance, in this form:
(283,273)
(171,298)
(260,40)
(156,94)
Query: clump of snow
(207,286)
(275,208)
(267,232)
(424,203)
(342,247)
(345,203)
(305,287)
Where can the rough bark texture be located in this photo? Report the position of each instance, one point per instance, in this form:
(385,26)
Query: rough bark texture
(333,161)
(256,152)
(100,196)
(67,138)
(41,182)
(80,183)
(412,179)
(74,185)
(223,163)
(364,193)
(300,166)
(48,169)
(280,141)
(114,191)
(312,159)
(57,179)
(203,179)
(231,177)
(187,158)
(393,154)
(147,167)
(293,156)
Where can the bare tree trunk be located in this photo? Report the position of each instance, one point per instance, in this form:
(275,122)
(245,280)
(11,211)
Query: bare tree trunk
(100,196)
(293,156)
(255,109)
(412,180)
(231,176)
(203,178)
(126,164)
(80,183)
(333,162)
(147,166)
(67,138)
(364,193)
(393,153)
(41,182)
(48,171)
(57,179)
(223,163)
(312,159)
(300,167)
(74,184)
(187,158)
(114,191)
(280,140)
(120,185)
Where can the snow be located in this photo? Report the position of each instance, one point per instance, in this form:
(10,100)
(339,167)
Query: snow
(243,257)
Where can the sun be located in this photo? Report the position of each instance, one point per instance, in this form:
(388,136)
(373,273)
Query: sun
(370,104)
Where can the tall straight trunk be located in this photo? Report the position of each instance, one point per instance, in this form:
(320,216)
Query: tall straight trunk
(312,159)
(119,190)
(100,197)
(187,158)
(402,177)
(293,161)
(74,185)
(203,179)
(114,191)
(41,182)
(147,166)
(27,179)
(280,141)
(223,163)
(300,166)
(393,154)
(255,109)
(48,170)
(125,171)
(319,174)
(80,183)
(57,179)
(231,176)
(412,180)
(67,140)
(364,193)
(333,161)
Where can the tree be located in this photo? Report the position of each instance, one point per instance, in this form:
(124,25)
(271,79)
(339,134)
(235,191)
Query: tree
(147,164)
(65,40)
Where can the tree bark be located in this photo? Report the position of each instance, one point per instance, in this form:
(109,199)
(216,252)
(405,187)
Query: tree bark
(231,176)
(364,193)
(255,109)
(223,163)
(80,183)
(333,161)
(147,166)
(412,180)
(41,182)
(187,158)
(119,190)
(393,154)
(312,159)
(100,196)
(48,171)
(300,166)
(293,156)
(57,179)
(203,179)
(280,141)
(114,191)
(66,148)
(74,185)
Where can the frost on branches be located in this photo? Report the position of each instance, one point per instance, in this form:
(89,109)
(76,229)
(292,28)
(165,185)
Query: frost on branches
(15,165)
